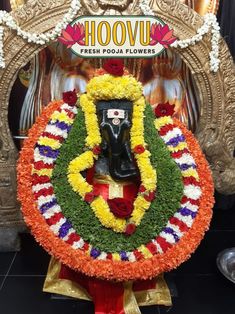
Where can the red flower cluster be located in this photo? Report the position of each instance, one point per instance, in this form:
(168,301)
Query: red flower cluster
(70,98)
(139,149)
(114,67)
(179,153)
(150,197)
(120,207)
(164,110)
(152,247)
(130,229)
(142,189)
(89,197)
(96,150)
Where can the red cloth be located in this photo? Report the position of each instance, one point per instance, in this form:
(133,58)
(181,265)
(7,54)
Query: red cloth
(107,296)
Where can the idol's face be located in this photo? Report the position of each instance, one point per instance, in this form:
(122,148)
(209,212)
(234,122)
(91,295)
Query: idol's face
(115,120)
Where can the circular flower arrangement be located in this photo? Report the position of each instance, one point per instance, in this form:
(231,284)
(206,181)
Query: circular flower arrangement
(114,239)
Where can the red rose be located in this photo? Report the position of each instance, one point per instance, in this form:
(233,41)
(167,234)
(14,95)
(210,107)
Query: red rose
(96,150)
(149,197)
(139,149)
(120,207)
(130,229)
(164,110)
(114,67)
(70,98)
(142,189)
(89,197)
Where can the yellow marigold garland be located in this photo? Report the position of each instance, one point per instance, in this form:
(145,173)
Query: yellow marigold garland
(107,87)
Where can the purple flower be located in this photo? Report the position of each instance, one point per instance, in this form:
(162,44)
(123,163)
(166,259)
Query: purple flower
(123,255)
(187,212)
(186,166)
(64,229)
(47,205)
(61,125)
(171,231)
(176,140)
(95,253)
(48,151)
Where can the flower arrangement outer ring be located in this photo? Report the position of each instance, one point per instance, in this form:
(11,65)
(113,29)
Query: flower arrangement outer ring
(112,270)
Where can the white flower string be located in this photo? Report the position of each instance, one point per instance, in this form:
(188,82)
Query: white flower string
(40,39)
(210,23)
(145,8)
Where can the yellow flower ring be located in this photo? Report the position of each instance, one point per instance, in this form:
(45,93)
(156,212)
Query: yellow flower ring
(170,248)
(109,87)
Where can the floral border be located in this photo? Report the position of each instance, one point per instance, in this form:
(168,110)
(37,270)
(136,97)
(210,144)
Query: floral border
(112,269)
(159,211)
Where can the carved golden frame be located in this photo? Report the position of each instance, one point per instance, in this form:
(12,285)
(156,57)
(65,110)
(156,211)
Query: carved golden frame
(216,127)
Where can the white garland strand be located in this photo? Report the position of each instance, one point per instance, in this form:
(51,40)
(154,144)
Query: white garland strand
(210,23)
(39,39)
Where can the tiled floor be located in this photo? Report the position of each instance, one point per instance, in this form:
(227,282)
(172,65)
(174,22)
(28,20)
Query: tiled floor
(200,287)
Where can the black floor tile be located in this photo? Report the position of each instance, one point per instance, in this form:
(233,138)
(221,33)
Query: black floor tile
(211,294)
(31,260)
(5,262)
(203,261)
(23,295)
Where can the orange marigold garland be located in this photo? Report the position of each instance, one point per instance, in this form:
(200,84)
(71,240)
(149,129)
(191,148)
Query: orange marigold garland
(109,269)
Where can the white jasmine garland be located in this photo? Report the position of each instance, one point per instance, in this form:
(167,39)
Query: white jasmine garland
(53,129)
(188,220)
(192,191)
(176,229)
(42,200)
(40,186)
(193,208)
(185,159)
(210,23)
(102,256)
(168,237)
(56,227)
(131,256)
(71,230)
(50,212)
(40,39)
(159,249)
(78,244)
(70,108)
(171,134)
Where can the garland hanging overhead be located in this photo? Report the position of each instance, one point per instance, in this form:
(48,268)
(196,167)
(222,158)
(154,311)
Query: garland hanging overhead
(210,25)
